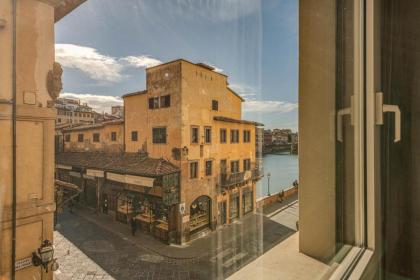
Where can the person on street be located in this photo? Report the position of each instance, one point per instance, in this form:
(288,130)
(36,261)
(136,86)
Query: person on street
(133,226)
(105,206)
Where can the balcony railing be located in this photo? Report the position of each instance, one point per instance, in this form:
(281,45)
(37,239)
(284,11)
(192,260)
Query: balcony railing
(232,179)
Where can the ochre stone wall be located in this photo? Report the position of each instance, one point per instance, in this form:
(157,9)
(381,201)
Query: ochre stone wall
(105,143)
(34,133)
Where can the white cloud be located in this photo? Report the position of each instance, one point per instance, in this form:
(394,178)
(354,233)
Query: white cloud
(244,90)
(254,105)
(88,60)
(142,61)
(98,66)
(268,106)
(99,103)
(216,69)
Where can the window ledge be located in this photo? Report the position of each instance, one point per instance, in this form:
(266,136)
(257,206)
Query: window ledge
(284,261)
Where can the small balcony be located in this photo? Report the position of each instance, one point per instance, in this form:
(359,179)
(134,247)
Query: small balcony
(228,180)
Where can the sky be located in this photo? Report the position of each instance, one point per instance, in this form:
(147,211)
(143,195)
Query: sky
(105,46)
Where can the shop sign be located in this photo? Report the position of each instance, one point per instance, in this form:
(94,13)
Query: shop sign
(139,181)
(182,208)
(131,179)
(88,177)
(95,173)
(75,174)
(62,166)
(115,177)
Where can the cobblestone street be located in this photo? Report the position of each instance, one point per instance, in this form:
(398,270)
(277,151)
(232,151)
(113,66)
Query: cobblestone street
(88,249)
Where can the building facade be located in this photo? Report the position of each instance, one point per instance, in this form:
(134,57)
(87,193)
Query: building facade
(189,116)
(28,86)
(204,137)
(73,112)
(103,137)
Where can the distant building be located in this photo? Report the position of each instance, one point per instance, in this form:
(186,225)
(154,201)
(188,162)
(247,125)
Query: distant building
(281,136)
(105,117)
(103,137)
(72,111)
(268,137)
(117,111)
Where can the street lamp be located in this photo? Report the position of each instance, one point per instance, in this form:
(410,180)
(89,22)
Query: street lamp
(268,177)
(44,256)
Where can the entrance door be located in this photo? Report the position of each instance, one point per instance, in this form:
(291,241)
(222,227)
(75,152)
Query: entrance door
(234,207)
(396,85)
(200,214)
(222,212)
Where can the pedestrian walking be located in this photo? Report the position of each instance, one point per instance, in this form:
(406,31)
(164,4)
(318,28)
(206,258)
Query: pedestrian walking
(133,226)
(105,206)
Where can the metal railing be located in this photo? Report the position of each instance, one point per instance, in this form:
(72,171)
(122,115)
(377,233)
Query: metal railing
(227,180)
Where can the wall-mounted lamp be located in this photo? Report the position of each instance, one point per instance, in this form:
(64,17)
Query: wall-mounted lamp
(45,256)
(185,151)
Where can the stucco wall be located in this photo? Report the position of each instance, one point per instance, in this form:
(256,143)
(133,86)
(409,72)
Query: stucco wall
(104,145)
(35,133)
(317,199)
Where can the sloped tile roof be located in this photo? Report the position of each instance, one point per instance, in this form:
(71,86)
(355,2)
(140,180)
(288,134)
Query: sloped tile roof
(123,163)
(225,119)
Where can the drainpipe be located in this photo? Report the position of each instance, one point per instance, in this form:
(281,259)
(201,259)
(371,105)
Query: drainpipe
(14,138)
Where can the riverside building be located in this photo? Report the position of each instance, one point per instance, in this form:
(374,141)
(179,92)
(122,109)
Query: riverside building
(189,121)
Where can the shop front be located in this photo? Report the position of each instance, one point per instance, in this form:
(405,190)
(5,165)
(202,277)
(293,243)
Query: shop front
(234,207)
(247,201)
(90,191)
(137,191)
(200,214)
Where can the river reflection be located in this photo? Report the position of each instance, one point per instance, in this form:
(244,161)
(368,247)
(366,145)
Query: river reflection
(284,170)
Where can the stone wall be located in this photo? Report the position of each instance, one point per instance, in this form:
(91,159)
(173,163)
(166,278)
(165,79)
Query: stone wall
(268,200)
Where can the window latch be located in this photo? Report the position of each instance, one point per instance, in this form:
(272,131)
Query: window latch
(381,108)
(340,114)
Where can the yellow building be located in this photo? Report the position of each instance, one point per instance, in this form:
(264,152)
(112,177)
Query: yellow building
(190,120)
(106,136)
(29,82)
(189,116)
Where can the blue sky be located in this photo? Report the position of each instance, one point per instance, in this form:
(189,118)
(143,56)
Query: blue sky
(105,46)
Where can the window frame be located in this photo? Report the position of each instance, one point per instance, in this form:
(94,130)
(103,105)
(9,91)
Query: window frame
(246,164)
(246,136)
(215,105)
(225,135)
(232,133)
(237,164)
(113,136)
(80,137)
(211,167)
(206,129)
(190,163)
(134,136)
(154,138)
(193,127)
(96,136)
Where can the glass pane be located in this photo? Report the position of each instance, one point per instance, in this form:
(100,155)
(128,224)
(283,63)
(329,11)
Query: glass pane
(400,184)
(160,139)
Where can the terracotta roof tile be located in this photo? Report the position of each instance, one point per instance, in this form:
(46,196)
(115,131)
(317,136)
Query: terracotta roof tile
(125,163)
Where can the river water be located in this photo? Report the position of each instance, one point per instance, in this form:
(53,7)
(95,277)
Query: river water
(283,169)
